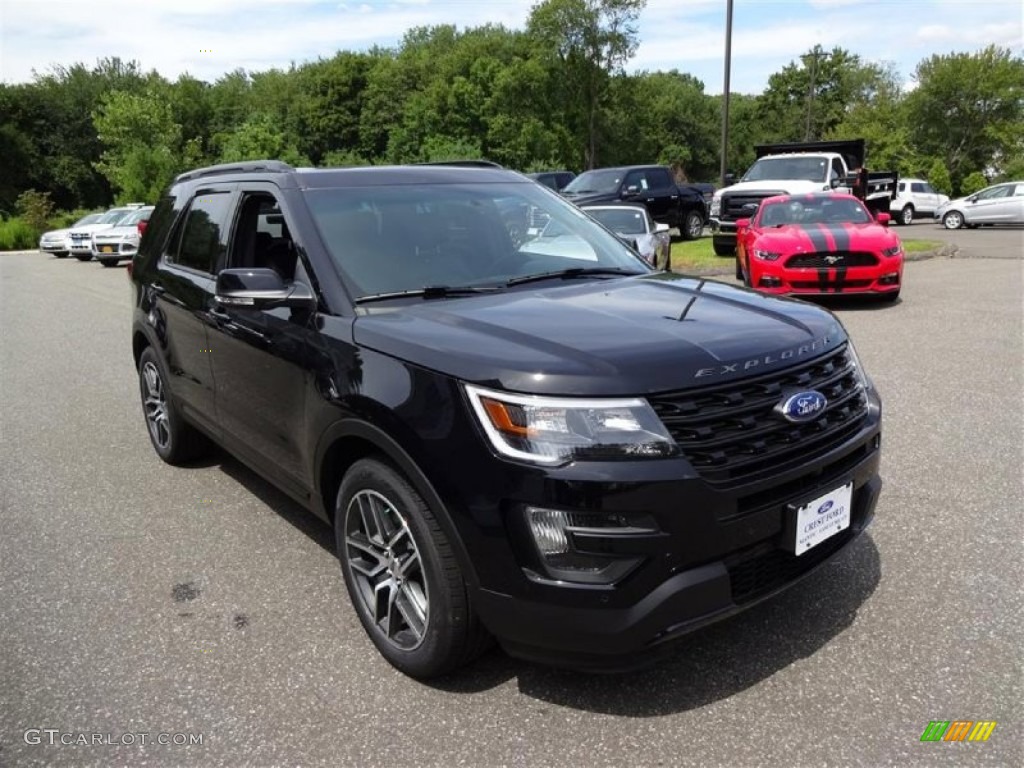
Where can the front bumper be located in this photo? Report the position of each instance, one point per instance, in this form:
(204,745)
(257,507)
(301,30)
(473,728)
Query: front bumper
(723,550)
(53,246)
(114,249)
(884,278)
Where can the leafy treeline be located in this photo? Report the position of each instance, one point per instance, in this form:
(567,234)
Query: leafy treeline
(554,95)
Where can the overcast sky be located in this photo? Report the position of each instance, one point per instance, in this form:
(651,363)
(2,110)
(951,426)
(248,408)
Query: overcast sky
(207,38)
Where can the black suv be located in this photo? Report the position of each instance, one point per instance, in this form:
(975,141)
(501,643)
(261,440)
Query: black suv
(536,438)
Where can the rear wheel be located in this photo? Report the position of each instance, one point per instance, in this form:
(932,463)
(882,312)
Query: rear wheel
(174,439)
(953,220)
(401,573)
(907,215)
(693,226)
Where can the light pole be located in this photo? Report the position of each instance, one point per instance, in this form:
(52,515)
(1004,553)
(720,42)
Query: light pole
(725,90)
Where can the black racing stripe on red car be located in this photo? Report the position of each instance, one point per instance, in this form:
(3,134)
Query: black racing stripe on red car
(823,280)
(840,235)
(819,239)
(840,279)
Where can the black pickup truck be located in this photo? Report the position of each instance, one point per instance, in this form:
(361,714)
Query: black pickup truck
(654,186)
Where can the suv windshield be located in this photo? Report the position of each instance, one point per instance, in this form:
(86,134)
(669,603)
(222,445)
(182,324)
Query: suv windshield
(415,236)
(810,168)
(595,181)
(114,216)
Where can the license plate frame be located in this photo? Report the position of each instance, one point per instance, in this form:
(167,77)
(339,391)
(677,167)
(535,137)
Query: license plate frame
(819,519)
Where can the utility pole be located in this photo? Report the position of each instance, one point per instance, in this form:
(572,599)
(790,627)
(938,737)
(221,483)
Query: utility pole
(725,91)
(815,54)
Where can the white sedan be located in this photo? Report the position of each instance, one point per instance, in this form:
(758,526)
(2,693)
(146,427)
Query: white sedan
(57,241)
(999,204)
(633,224)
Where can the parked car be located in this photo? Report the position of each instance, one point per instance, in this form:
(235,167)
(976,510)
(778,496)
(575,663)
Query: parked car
(915,199)
(998,204)
(820,244)
(550,443)
(795,169)
(652,186)
(555,180)
(121,241)
(80,238)
(57,241)
(634,225)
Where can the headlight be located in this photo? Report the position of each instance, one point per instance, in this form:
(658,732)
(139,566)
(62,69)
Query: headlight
(859,371)
(896,250)
(716,206)
(556,430)
(767,255)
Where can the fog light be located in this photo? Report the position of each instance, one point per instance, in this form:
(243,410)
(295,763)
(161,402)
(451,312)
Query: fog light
(548,528)
(597,560)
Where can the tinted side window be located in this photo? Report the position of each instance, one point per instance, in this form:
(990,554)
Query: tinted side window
(917,187)
(635,180)
(203,233)
(159,225)
(659,178)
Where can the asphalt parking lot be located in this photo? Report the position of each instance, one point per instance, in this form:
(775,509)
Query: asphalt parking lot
(136,598)
(981,243)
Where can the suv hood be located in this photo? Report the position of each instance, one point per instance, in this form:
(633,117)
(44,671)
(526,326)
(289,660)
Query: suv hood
(89,228)
(624,336)
(585,198)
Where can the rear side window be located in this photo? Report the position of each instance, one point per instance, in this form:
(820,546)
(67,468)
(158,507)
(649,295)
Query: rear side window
(203,235)
(917,187)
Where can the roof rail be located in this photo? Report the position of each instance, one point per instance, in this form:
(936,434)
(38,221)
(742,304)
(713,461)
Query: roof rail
(250,166)
(465,163)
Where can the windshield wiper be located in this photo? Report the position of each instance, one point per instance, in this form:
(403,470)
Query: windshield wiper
(431,292)
(568,274)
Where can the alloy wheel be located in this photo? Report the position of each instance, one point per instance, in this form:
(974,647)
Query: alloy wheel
(953,220)
(155,403)
(387,570)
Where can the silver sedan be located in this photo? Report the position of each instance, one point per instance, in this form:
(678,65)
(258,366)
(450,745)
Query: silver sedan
(634,225)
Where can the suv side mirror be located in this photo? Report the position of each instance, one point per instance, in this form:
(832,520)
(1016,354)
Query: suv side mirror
(257,288)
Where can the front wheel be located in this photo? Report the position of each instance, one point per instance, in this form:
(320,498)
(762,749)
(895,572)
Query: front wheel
(402,574)
(724,249)
(108,262)
(739,269)
(83,256)
(174,440)
(693,226)
(953,220)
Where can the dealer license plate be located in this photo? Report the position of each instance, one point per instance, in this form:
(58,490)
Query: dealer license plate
(822,518)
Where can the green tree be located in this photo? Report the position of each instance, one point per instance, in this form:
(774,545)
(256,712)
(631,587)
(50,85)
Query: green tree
(260,138)
(938,177)
(968,109)
(35,208)
(810,99)
(143,144)
(973,182)
(588,42)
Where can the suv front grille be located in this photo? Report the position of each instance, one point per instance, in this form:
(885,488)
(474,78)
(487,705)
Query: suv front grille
(833,260)
(764,567)
(733,432)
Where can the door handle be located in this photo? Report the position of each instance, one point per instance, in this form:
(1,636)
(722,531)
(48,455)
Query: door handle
(157,289)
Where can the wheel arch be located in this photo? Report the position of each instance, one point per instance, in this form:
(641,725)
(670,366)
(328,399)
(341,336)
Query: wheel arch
(348,441)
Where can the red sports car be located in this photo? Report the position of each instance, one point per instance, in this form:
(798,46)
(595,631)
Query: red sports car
(819,244)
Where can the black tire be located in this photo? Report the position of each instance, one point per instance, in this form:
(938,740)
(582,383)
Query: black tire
(388,537)
(692,226)
(953,220)
(108,262)
(60,254)
(83,256)
(739,269)
(174,440)
(906,217)
(724,249)
(889,298)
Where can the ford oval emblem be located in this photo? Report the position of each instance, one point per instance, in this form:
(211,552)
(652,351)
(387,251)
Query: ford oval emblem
(803,406)
(825,507)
